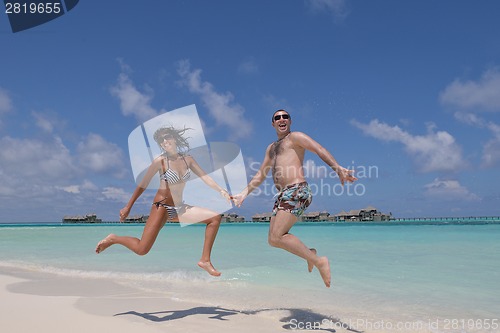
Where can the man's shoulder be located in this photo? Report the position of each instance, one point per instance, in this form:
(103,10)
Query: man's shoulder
(296,133)
(297,136)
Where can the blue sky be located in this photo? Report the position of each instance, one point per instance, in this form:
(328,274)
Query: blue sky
(407,93)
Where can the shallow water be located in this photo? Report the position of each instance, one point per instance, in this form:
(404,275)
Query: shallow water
(401,273)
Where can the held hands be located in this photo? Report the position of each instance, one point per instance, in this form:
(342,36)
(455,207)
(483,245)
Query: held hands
(346,175)
(238,199)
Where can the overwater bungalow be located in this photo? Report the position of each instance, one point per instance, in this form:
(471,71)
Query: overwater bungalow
(315,216)
(262,217)
(232,217)
(136,219)
(89,218)
(369,213)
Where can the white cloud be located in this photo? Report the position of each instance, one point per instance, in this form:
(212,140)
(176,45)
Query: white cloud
(48,170)
(115,194)
(86,186)
(5,102)
(48,123)
(42,122)
(470,119)
(491,153)
(337,8)
(436,151)
(132,101)
(483,94)
(248,67)
(98,155)
(36,159)
(491,149)
(276,104)
(33,166)
(43,166)
(449,190)
(220,105)
(75,189)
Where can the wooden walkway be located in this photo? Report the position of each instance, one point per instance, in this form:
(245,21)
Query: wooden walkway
(449,219)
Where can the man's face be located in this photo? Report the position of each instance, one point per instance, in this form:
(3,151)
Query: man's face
(282,122)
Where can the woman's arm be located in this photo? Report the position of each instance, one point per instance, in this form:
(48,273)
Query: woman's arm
(141,187)
(195,167)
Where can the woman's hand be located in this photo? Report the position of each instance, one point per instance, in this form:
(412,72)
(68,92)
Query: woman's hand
(225,194)
(124,213)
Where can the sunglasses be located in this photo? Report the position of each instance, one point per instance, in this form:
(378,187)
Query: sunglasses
(279,116)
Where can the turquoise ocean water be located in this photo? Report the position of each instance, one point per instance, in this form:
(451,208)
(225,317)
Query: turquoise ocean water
(394,272)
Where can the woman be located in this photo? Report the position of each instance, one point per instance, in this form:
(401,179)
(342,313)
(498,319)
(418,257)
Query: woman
(175,169)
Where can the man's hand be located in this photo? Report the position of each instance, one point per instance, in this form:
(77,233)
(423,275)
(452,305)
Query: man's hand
(346,175)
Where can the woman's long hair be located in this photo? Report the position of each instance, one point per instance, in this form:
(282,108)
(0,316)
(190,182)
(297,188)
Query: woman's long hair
(178,135)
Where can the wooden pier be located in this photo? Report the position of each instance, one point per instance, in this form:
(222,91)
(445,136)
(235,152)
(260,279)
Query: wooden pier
(449,219)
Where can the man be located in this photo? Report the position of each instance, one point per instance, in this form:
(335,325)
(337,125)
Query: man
(285,158)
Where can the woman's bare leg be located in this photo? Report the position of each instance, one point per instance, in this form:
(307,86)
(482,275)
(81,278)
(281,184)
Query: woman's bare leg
(212,221)
(155,222)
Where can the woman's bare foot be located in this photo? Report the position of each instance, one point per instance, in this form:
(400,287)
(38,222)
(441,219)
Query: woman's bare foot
(207,265)
(310,265)
(323,266)
(104,244)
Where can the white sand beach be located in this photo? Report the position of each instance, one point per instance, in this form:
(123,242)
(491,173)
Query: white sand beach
(35,302)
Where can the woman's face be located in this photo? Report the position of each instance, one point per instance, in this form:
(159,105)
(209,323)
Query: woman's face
(167,142)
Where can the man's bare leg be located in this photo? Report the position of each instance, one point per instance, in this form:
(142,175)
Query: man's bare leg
(279,236)
(310,265)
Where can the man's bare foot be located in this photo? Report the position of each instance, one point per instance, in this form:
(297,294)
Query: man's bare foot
(104,244)
(207,265)
(324,269)
(310,265)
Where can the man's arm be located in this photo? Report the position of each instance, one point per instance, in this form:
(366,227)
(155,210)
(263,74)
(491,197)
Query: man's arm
(308,143)
(256,180)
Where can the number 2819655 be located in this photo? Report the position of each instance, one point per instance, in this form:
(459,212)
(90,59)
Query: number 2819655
(33,8)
